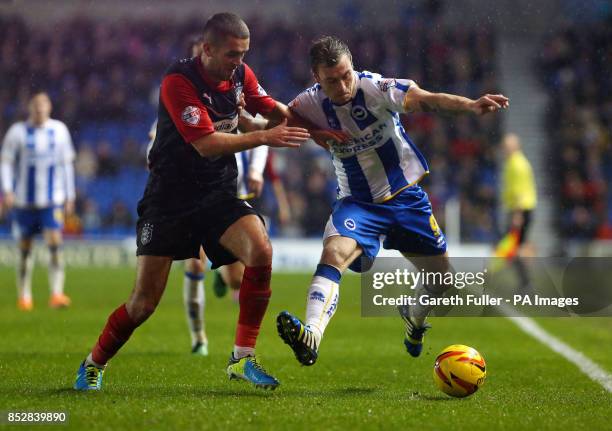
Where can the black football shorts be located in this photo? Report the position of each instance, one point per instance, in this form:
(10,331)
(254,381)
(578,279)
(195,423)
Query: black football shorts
(180,235)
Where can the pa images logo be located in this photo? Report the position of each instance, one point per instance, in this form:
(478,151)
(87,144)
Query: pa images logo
(146,233)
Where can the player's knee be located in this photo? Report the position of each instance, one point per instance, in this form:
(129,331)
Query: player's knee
(439,264)
(194,266)
(335,256)
(25,246)
(260,254)
(55,257)
(140,309)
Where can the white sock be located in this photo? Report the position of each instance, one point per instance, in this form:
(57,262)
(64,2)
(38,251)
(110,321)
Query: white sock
(321,305)
(419,312)
(24,274)
(89,361)
(241,352)
(56,272)
(194,299)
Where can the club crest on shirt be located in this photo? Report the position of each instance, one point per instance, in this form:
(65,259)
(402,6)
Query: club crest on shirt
(146,234)
(350,224)
(238,92)
(191,115)
(359,113)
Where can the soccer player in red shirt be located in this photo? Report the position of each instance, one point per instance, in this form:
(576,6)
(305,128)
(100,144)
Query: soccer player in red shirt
(190,198)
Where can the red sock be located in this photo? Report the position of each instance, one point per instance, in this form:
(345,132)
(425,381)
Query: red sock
(254,297)
(117,331)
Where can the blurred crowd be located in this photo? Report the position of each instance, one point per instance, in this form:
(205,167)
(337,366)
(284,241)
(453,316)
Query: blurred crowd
(576,67)
(103,78)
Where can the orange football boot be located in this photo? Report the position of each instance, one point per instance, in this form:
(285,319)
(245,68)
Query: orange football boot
(25,304)
(59,300)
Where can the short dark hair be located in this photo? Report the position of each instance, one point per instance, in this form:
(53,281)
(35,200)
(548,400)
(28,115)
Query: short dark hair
(38,92)
(221,25)
(327,51)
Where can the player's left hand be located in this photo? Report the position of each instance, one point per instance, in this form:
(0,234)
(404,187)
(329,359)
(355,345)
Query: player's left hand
(69,208)
(489,103)
(255,183)
(241,104)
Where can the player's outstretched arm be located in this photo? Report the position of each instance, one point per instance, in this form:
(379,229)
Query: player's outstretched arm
(217,143)
(248,123)
(419,100)
(321,137)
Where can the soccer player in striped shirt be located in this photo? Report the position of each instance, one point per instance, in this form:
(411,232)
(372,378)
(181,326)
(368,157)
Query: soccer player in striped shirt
(378,170)
(38,181)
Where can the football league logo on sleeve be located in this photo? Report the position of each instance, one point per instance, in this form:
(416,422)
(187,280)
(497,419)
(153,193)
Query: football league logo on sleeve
(261,91)
(191,115)
(385,84)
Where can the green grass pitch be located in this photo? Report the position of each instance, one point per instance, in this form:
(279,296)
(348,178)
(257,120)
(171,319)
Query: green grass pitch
(363,379)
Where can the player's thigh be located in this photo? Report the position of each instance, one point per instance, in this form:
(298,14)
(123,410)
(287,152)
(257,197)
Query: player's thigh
(340,251)
(248,240)
(151,278)
(26,223)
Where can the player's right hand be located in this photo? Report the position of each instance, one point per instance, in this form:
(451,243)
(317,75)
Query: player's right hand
(285,136)
(9,201)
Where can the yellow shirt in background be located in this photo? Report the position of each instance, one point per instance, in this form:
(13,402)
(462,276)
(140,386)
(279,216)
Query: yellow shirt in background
(518,185)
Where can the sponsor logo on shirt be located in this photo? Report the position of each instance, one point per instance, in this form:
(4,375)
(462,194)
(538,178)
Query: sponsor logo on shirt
(207,97)
(227,125)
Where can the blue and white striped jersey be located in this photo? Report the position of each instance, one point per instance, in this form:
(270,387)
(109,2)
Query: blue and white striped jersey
(380,160)
(36,164)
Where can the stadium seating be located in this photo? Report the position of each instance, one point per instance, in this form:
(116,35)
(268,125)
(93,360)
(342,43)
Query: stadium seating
(105,88)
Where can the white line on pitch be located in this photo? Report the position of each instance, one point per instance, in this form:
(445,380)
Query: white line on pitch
(588,367)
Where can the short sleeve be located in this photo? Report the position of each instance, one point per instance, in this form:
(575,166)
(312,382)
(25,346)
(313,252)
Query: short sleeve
(188,114)
(391,90)
(306,105)
(256,98)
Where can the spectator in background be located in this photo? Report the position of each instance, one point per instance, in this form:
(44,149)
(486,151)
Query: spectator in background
(119,216)
(108,164)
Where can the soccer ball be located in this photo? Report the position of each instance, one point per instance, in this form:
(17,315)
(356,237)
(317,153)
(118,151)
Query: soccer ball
(459,370)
